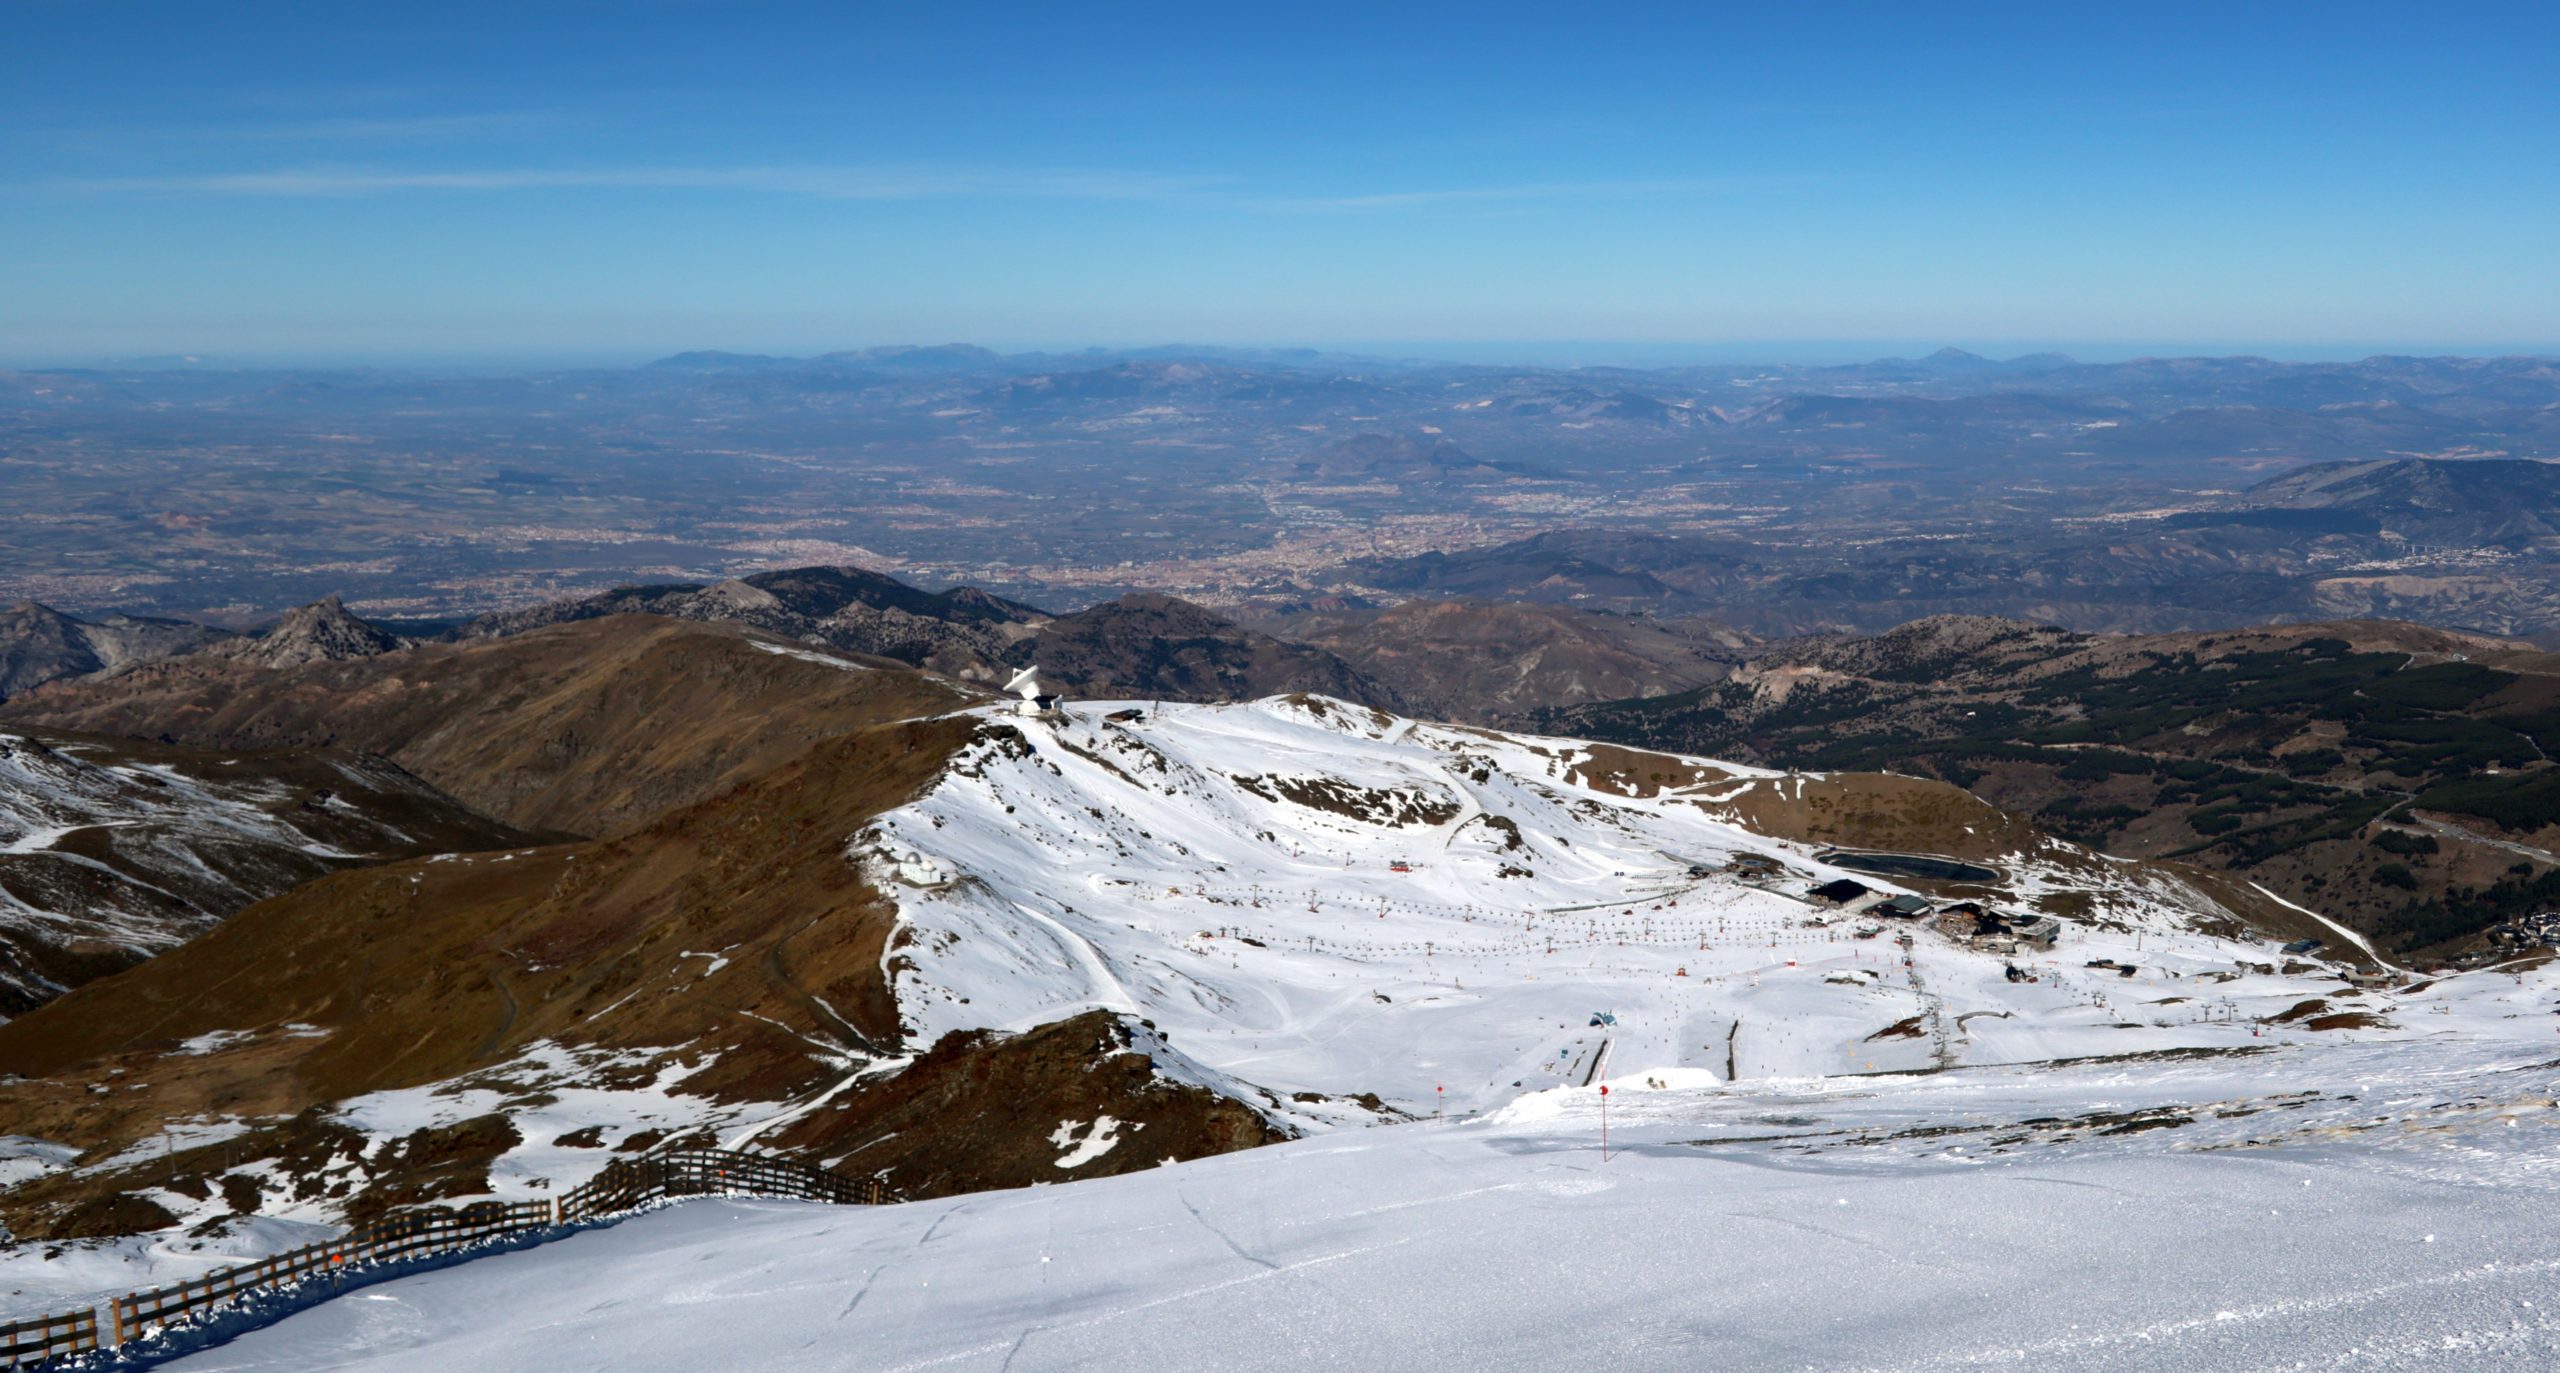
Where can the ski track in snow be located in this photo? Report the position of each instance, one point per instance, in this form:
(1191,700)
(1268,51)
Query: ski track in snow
(2363,944)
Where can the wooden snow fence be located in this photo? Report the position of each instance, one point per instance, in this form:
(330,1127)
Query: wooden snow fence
(24,1344)
(406,1236)
(626,1183)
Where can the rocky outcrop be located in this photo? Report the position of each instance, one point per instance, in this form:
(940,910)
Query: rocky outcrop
(324,631)
(981,1109)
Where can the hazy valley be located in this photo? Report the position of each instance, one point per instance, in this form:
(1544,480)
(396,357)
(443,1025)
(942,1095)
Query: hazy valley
(2182,493)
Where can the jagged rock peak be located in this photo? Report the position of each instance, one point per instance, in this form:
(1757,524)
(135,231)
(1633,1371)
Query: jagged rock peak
(323,631)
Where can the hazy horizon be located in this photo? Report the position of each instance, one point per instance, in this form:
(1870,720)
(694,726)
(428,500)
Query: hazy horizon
(1559,353)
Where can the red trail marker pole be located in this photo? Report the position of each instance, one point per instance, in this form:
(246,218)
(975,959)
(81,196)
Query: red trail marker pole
(1604,1122)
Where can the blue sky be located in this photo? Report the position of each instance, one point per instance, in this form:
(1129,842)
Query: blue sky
(461,181)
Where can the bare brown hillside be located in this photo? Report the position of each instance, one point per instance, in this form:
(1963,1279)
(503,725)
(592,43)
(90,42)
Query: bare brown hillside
(423,971)
(977,1110)
(1147,645)
(592,727)
(112,850)
(732,942)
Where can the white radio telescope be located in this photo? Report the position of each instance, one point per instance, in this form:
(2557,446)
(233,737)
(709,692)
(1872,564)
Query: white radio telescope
(1026,684)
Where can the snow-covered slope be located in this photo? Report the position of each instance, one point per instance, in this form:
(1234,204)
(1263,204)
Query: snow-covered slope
(1320,898)
(1306,903)
(2318,1206)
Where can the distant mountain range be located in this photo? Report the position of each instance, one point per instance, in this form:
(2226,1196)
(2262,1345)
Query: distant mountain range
(1137,646)
(588,727)
(2379,376)
(1457,659)
(949,357)
(323,632)
(2320,542)
(39,644)
(964,633)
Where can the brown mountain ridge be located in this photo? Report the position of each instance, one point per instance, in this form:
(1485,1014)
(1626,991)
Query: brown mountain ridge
(591,727)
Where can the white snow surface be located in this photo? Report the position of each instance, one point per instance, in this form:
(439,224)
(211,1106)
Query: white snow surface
(1152,861)
(2315,1206)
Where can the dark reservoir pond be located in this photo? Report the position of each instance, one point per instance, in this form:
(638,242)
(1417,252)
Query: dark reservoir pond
(1910,865)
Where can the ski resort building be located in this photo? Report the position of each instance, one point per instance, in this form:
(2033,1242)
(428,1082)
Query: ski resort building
(1839,893)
